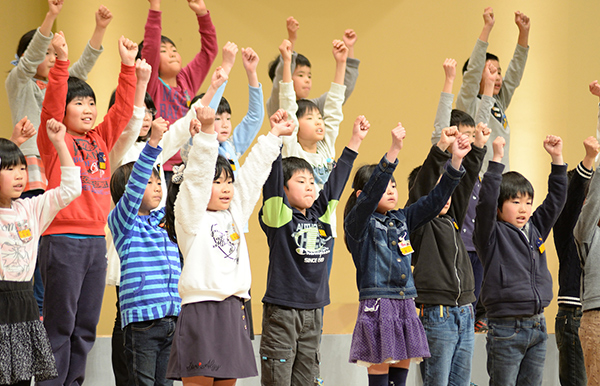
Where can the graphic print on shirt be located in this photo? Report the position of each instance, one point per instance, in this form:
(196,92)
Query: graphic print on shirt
(226,241)
(15,260)
(311,240)
(92,160)
(172,105)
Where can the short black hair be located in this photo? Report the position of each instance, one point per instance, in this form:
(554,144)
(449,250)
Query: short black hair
(513,185)
(79,89)
(149,105)
(223,166)
(10,154)
(291,165)
(24,42)
(459,118)
(119,179)
(412,177)
(301,60)
(224,106)
(488,56)
(163,39)
(306,106)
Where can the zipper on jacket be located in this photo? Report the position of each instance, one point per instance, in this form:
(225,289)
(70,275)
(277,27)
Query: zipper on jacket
(455,259)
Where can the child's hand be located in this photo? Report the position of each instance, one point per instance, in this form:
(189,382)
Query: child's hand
(488,17)
(482,134)
(350,38)
(398,135)
(22,131)
(340,51)
(292,29)
(55,6)
(198,7)
(195,127)
(595,88)
(553,145)
(498,146)
(461,147)
(206,116)
(142,71)
(218,78)
(249,59)
(359,132)
(489,74)
(285,48)
(522,22)
(154,5)
(450,69)
(230,50)
(60,46)
(56,131)
(127,50)
(159,128)
(447,137)
(103,17)
(591,151)
(280,125)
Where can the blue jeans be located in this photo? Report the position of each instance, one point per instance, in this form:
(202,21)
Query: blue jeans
(571,367)
(450,336)
(516,349)
(147,349)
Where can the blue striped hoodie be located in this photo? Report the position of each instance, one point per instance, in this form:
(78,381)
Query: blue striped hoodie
(150,265)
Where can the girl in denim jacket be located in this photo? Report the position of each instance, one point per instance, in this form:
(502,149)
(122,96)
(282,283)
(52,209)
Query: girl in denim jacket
(388,332)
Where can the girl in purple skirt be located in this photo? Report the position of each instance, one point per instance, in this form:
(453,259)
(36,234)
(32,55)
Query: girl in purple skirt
(388,332)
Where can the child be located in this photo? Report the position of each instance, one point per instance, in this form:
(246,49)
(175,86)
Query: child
(301,70)
(26,351)
(517,285)
(171,86)
(571,368)
(387,332)
(150,266)
(298,229)
(208,218)
(473,83)
(73,249)
(442,269)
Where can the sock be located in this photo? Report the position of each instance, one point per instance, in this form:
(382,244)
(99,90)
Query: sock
(397,376)
(378,380)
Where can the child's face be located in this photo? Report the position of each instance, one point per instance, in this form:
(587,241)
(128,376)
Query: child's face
(302,78)
(389,199)
(12,183)
(44,68)
(300,190)
(80,115)
(152,196)
(146,123)
(516,211)
(497,83)
(468,131)
(170,60)
(223,126)
(311,127)
(222,193)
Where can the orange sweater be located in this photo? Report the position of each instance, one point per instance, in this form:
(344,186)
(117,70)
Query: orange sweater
(87,215)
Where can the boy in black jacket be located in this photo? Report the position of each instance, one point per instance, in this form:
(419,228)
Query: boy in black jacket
(443,273)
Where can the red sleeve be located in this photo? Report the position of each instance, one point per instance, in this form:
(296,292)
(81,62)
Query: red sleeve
(121,112)
(191,76)
(53,107)
(151,50)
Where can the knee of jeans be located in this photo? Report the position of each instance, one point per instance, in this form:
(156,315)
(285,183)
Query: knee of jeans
(276,365)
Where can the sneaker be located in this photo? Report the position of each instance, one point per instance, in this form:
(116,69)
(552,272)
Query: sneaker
(481,325)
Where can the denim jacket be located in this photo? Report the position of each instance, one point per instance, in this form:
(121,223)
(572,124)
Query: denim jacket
(374,239)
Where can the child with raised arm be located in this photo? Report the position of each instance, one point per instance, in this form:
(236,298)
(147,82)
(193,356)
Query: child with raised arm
(571,367)
(23,221)
(172,86)
(442,269)
(468,98)
(209,213)
(388,332)
(73,248)
(150,266)
(298,228)
(301,70)
(517,284)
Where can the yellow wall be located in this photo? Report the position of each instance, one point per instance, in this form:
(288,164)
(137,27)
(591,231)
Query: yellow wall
(402,45)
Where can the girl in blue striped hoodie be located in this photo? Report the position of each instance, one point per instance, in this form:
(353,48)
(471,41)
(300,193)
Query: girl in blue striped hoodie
(150,267)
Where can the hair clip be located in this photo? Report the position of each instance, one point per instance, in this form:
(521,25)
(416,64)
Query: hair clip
(16,61)
(178,174)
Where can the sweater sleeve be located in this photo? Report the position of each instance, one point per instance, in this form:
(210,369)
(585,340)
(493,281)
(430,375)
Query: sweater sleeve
(273,101)
(287,101)
(466,99)
(245,132)
(442,116)
(332,117)
(462,194)
(123,217)
(151,50)
(487,208)
(428,176)
(28,63)
(484,109)
(276,210)
(546,214)
(513,76)
(590,215)
(84,65)
(128,137)
(192,75)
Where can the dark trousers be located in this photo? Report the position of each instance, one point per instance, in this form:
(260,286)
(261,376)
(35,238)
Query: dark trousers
(571,367)
(74,274)
(119,361)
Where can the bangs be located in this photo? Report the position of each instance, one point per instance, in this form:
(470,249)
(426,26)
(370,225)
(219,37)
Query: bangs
(10,154)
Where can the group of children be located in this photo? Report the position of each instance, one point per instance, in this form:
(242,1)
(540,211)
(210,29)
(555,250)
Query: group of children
(180,260)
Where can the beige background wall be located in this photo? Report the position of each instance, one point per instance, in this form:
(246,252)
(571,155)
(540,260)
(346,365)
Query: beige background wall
(402,45)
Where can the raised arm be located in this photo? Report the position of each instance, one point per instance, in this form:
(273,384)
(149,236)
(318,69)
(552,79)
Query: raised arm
(444,110)
(590,213)
(93,49)
(22,131)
